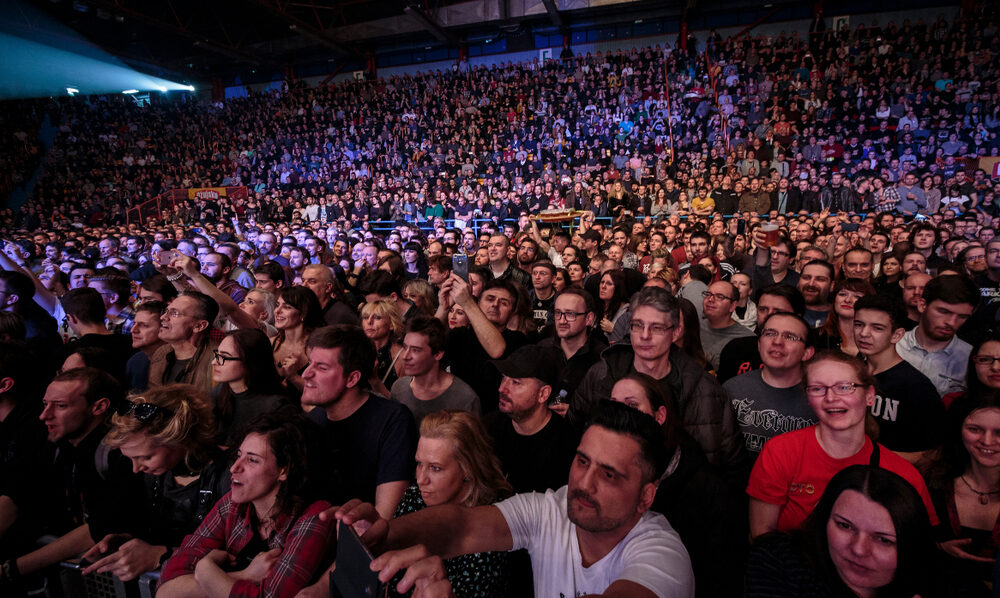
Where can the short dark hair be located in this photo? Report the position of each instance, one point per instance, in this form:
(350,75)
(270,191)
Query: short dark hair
(789,293)
(700,273)
(272,270)
(207,308)
(622,419)
(100,384)
(18,283)
(502,284)
(824,264)
(153,307)
(588,299)
(433,328)
(158,283)
(441,262)
(116,281)
(357,352)
(379,282)
(84,304)
(955,290)
(882,303)
(809,330)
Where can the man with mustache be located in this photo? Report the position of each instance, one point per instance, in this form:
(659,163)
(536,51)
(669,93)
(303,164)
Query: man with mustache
(815,283)
(594,536)
(932,346)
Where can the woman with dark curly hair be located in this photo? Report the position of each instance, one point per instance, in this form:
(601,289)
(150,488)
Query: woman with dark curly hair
(296,315)
(265,536)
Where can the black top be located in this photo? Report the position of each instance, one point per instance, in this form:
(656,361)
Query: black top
(533,463)
(470,362)
(908,409)
(739,356)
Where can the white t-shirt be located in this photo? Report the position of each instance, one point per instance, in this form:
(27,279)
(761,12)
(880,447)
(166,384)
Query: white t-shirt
(651,555)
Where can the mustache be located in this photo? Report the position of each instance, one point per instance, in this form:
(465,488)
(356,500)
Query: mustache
(584,496)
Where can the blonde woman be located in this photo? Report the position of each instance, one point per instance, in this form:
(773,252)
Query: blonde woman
(168,432)
(384,326)
(456,465)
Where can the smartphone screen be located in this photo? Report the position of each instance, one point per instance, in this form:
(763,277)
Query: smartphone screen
(353,576)
(460,266)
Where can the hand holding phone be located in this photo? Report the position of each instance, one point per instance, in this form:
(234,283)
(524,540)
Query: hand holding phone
(353,576)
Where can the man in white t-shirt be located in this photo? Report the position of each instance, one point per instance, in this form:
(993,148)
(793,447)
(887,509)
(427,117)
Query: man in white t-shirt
(595,536)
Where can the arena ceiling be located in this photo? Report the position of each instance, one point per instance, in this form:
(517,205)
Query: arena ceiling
(200,38)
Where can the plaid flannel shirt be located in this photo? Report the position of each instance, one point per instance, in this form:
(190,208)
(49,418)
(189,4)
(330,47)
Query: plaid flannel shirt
(888,201)
(306,545)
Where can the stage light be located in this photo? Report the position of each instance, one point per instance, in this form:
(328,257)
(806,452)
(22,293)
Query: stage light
(72,91)
(130,91)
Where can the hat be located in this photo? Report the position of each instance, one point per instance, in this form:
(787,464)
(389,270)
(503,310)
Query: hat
(531,361)
(592,235)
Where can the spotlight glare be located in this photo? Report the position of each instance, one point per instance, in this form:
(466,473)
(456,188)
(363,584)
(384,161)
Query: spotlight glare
(162,89)
(130,91)
(72,90)
(189,87)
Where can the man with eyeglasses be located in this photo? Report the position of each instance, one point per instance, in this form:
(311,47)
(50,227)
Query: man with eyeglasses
(74,487)
(906,405)
(772,264)
(580,346)
(718,326)
(771,400)
(702,405)
(186,327)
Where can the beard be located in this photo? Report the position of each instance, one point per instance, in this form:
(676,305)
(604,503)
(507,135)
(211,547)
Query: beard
(593,520)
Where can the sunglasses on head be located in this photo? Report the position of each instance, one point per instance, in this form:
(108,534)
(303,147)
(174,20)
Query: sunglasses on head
(141,411)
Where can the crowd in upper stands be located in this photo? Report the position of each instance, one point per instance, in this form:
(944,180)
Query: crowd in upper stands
(759,356)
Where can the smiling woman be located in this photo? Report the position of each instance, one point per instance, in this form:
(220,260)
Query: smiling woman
(869,536)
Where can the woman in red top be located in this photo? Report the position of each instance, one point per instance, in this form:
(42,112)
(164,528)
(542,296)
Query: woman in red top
(264,538)
(794,468)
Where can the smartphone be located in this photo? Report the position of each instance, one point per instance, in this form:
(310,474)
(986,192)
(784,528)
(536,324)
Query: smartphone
(166,256)
(850,227)
(460,266)
(741,226)
(353,577)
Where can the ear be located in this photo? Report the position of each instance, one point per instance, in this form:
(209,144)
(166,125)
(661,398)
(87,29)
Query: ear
(660,415)
(353,379)
(100,406)
(921,305)
(647,494)
(283,475)
(870,396)
(201,326)
(808,353)
(6,384)
(897,335)
(543,393)
(591,319)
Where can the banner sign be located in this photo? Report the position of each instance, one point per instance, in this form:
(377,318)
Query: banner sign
(214,193)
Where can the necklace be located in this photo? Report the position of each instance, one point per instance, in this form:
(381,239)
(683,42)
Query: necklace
(984,497)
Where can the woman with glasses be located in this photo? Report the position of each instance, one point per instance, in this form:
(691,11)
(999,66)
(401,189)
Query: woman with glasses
(265,537)
(983,370)
(169,434)
(297,314)
(246,382)
(794,468)
(965,485)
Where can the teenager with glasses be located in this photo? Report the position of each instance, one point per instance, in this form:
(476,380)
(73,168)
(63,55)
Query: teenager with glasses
(169,434)
(579,342)
(794,468)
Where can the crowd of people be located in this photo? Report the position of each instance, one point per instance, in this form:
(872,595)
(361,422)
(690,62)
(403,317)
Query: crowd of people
(759,357)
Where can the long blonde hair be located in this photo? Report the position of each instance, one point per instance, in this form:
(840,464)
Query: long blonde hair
(473,450)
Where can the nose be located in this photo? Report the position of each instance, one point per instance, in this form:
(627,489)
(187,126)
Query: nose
(136,468)
(422,478)
(860,544)
(46,413)
(237,466)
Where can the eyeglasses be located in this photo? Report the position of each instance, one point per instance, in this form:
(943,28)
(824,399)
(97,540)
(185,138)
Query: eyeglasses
(975,258)
(141,411)
(840,389)
(779,253)
(570,316)
(654,329)
(173,314)
(222,359)
(716,296)
(985,359)
(772,334)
